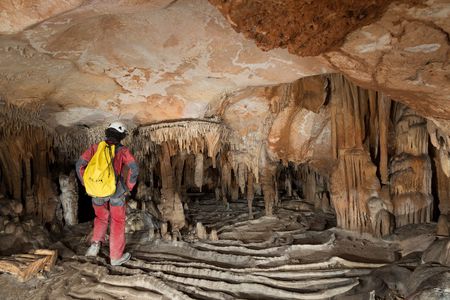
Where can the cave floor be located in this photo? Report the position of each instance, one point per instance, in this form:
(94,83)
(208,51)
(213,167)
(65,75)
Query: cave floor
(296,254)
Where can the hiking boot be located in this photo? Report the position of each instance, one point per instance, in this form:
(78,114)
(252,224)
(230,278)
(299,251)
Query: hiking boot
(93,249)
(117,262)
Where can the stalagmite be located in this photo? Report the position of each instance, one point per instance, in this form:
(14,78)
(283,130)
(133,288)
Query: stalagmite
(443,187)
(382,220)
(69,197)
(288,186)
(268,187)
(170,207)
(198,175)
(213,235)
(225,178)
(201,231)
(164,231)
(234,189)
(250,194)
(441,142)
(217,193)
(178,166)
(410,179)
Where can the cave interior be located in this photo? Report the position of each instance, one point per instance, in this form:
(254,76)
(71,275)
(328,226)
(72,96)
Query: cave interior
(287,149)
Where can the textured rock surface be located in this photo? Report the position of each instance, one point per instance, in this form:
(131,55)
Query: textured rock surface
(143,61)
(16,15)
(438,252)
(405,53)
(304,27)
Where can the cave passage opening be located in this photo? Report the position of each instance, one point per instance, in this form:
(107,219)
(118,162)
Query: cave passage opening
(369,163)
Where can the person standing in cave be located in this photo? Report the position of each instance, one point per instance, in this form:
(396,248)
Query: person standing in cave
(126,173)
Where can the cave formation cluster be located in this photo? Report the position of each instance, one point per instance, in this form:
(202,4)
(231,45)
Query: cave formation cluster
(372,161)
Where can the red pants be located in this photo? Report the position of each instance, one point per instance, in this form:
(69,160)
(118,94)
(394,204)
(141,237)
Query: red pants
(117,231)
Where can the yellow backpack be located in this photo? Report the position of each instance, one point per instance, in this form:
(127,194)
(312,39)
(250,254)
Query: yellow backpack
(99,178)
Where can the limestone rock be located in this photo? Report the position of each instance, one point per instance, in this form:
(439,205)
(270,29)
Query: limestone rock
(429,283)
(404,54)
(304,27)
(188,57)
(438,252)
(17,15)
(213,235)
(395,277)
(442,227)
(201,231)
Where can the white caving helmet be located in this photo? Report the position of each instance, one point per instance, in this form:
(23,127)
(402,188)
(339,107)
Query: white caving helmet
(119,126)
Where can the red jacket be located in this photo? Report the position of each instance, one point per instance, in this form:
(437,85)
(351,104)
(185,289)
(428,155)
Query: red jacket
(122,157)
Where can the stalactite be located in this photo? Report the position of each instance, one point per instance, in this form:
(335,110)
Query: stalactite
(410,169)
(374,120)
(268,178)
(242,176)
(354,180)
(193,135)
(353,183)
(315,186)
(26,150)
(383,118)
(189,171)
(234,189)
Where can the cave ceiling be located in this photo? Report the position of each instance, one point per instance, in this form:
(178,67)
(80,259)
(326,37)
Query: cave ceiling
(141,60)
(398,47)
(81,62)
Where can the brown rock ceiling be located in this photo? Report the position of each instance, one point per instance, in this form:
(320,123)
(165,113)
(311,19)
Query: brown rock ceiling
(305,27)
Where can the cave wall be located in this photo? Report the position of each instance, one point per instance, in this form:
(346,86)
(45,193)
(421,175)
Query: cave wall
(26,153)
